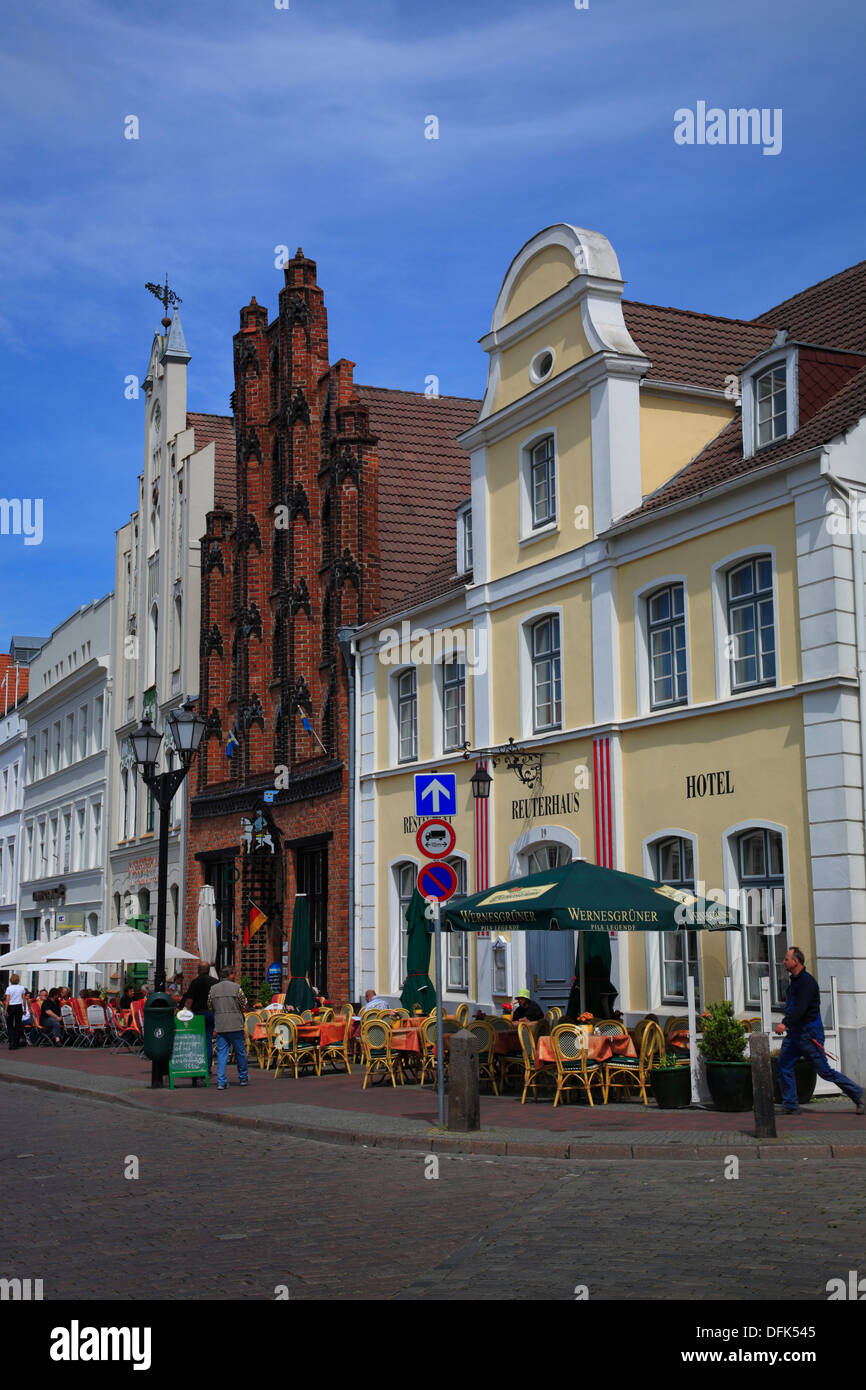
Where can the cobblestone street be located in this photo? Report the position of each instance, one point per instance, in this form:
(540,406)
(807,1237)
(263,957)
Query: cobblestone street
(224,1214)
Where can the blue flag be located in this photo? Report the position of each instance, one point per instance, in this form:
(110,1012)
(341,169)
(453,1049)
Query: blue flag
(232,744)
(305,724)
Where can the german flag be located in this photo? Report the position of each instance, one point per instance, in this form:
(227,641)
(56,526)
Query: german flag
(254,921)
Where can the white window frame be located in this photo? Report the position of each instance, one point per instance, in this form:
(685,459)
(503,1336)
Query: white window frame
(465,538)
(643,687)
(772,358)
(438,743)
(528,531)
(395,954)
(451,938)
(737,959)
(653,943)
(395,702)
(83,731)
(527,692)
(720,619)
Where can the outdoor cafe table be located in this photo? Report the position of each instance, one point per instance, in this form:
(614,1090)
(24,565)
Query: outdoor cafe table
(600,1049)
(506,1041)
(323,1033)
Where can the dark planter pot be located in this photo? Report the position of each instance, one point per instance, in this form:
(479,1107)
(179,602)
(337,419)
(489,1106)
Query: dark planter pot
(730,1085)
(671,1087)
(805,1077)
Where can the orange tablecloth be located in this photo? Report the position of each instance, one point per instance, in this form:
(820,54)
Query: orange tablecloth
(406,1040)
(600,1049)
(680,1038)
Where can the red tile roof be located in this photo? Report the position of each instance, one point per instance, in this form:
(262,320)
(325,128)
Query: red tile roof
(722,459)
(8,680)
(220,429)
(423,476)
(832,313)
(695,349)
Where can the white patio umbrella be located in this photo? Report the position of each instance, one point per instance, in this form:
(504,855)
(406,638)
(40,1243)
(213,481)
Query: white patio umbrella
(36,953)
(207,936)
(122,945)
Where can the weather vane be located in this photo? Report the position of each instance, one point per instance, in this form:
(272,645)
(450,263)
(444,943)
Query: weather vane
(165,297)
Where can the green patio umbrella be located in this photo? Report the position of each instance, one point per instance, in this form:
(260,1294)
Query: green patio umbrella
(299,992)
(418,987)
(585,897)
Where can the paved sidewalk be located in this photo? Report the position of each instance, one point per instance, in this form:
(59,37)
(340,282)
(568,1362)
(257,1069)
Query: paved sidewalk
(334,1109)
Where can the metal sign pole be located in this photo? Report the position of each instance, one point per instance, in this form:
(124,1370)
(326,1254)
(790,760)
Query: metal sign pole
(440,1049)
(693,1041)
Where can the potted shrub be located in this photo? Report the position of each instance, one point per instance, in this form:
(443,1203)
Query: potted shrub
(671,1082)
(722,1044)
(264,995)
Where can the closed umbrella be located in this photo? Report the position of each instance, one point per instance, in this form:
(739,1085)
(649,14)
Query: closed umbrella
(207,932)
(417,987)
(299,992)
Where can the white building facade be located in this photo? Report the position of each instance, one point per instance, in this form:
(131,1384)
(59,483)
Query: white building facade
(156,627)
(13,752)
(62,852)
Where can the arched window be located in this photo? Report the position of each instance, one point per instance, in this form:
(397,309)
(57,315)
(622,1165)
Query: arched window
(760,866)
(405,876)
(153,645)
(178,634)
(673,863)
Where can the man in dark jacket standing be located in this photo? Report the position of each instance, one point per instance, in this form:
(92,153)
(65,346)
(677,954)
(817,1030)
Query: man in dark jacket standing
(803,1032)
(228,1003)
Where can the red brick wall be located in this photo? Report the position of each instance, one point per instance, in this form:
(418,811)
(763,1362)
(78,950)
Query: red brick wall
(334,460)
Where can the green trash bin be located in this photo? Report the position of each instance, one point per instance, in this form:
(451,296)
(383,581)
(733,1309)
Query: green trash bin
(158,1027)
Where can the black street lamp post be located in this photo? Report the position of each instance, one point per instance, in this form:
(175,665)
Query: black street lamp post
(187,729)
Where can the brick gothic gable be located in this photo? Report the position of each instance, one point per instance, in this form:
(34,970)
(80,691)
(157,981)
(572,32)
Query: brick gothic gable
(293,560)
(296,559)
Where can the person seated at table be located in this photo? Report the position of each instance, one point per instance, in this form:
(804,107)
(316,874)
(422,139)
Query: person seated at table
(372,1000)
(65,994)
(526,1008)
(175,987)
(124,1003)
(50,1017)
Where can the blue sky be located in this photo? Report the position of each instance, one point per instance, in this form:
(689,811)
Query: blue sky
(305,127)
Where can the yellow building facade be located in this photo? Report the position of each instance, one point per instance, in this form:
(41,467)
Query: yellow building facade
(648,599)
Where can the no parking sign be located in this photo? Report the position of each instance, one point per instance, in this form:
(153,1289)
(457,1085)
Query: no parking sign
(437,881)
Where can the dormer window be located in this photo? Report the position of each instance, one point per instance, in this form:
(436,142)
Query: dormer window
(769,397)
(771,405)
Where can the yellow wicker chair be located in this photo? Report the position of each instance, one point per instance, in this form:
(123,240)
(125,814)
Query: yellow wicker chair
(486,1036)
(676,1024)
(326,1016)
(609,1028)
(461,1013)
(376,1043)
(573,1067)
(635,1071)
(338,1051)
(427,1038)
(532,1074)
(307,1016)
(259,1047)
(286,1048)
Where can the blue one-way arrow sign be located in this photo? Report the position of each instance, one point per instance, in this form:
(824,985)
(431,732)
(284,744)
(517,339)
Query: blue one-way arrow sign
(435,793)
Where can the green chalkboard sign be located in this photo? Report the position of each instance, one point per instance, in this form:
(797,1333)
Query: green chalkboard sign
(189,1055)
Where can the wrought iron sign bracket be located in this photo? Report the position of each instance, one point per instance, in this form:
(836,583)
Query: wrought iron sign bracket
(524,763)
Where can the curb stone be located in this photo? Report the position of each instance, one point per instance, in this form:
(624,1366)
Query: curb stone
(477,1144)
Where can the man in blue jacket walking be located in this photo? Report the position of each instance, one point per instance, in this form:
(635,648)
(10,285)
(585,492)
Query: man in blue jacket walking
(803,1035)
